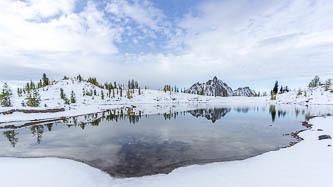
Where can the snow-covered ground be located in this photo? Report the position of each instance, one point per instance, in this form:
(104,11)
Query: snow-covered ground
(306,164)
(147,101)
(309,96)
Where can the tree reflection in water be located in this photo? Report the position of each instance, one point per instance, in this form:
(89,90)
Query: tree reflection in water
(94,120)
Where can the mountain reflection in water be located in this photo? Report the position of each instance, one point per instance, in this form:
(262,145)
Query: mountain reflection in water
(127,144)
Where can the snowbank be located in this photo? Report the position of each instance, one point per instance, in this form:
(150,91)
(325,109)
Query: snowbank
(310,96)
(306,164)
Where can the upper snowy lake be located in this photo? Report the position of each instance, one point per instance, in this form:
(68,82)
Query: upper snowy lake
(126,145)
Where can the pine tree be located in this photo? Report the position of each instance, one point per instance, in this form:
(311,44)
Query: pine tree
(102,94)
(73,99)
(139,91)
(129,96)
(276,88)
(202,92)
(314,82)
(121,92)
(33,99)
(5,95)
(62,94)
(79,78)
(40,84)
(45,80)
(328,84)
(113,93)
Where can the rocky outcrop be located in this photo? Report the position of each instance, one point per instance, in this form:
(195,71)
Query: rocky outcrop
(245,91)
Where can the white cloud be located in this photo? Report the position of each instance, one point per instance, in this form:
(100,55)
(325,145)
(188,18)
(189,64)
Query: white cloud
(240,41)
(59,44)
(142,12)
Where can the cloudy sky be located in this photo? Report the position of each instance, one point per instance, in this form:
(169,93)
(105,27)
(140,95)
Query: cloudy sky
(244,42)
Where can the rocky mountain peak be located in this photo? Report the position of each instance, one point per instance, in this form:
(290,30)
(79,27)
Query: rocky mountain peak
(214,87)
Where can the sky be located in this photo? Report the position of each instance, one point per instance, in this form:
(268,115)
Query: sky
(179,42)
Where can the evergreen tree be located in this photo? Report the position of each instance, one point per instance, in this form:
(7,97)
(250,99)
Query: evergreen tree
(121,92)
(102,94)
(19,92)
(129,96)
(33,99)
(73,99)
(139,91)
(45,80)
(79,78)
(287,89)
(5,95)
(62,94)
(40,84)
(94,81)
(202,92)
(328,84)
(276,88)
(113,93)
(299,92)
(314,82)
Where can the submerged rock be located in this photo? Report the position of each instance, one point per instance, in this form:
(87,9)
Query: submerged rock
(323,137)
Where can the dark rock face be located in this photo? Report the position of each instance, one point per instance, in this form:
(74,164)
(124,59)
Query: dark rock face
(246,91)
(211,114)
(323,137)
(213,87)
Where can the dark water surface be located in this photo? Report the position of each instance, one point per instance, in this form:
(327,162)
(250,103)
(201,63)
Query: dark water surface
(138,145)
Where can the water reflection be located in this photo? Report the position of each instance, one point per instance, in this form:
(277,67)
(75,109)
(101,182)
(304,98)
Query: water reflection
(211,114)
(128,143)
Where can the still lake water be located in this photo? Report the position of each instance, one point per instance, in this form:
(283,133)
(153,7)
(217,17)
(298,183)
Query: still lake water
(138,145)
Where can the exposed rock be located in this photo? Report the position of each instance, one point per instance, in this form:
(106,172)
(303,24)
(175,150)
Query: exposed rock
(323,137)
(246,91)
(213,87)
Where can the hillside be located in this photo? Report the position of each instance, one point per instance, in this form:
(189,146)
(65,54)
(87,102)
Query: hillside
(309,96)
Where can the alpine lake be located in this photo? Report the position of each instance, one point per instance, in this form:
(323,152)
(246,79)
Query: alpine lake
(124,144)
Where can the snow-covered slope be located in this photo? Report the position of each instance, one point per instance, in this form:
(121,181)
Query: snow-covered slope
(309,96)
(245,91)
(211,88)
